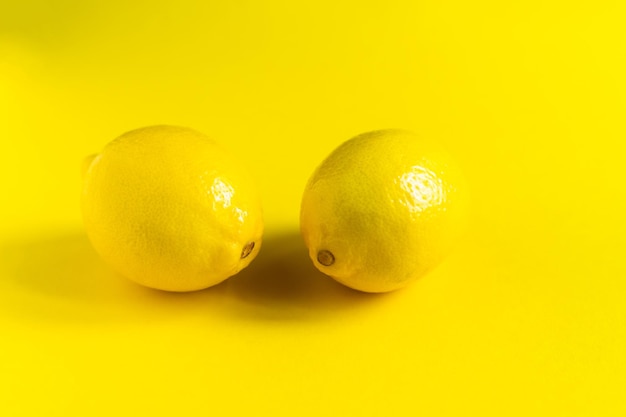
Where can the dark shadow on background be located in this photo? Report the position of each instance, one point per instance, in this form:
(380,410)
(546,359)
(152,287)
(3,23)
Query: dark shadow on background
(282,282)
(63,266)
(63,278)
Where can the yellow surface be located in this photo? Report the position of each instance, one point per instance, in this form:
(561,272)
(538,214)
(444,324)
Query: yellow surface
(528,318)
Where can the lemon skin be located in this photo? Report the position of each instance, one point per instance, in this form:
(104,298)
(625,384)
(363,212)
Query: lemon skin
(383,209)
(170,209)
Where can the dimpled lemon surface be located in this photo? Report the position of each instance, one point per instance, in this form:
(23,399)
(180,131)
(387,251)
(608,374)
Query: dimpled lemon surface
(383,209)
(170,209)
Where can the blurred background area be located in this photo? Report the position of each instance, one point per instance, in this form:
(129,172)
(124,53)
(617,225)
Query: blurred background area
(529,96)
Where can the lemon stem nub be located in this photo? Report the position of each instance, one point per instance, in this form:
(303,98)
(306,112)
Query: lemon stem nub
(247,250)
(325,257)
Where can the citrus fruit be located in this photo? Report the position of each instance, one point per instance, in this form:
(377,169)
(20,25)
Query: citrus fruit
(383,209)
(170,209)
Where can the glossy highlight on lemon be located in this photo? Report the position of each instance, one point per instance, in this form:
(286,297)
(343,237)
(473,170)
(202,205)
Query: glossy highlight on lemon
(383,209)
(170,209)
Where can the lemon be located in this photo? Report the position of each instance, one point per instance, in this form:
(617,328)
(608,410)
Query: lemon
(383,209)
(169,208)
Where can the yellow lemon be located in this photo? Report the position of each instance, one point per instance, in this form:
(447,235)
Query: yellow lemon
(170,209)
(383,209)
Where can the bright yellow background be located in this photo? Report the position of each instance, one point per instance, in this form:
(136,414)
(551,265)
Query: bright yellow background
(528,318)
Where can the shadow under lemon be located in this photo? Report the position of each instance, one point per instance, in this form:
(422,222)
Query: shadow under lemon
(62,278)
(60,266)
(282,282)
